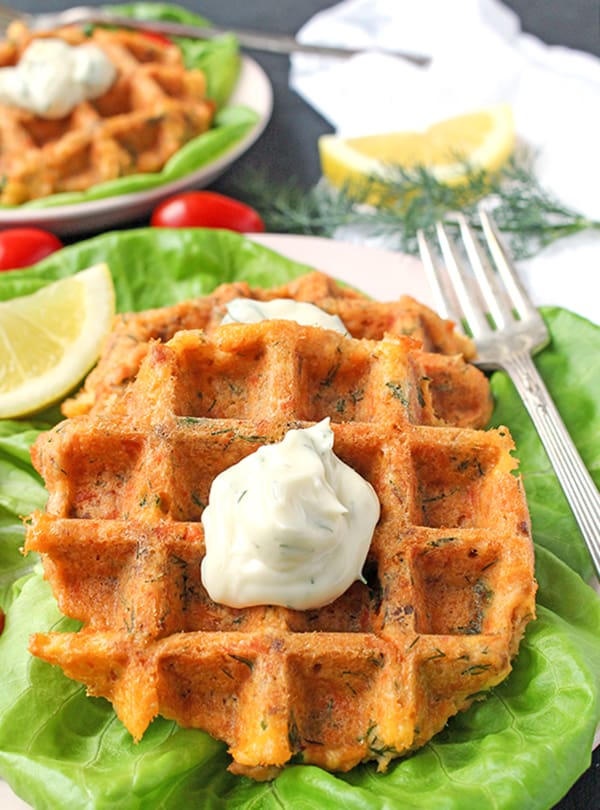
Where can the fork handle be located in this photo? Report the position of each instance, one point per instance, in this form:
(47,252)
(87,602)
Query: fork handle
(577,483)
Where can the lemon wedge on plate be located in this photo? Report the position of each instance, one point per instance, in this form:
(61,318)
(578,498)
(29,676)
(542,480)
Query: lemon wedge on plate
(482,140)
(51,338)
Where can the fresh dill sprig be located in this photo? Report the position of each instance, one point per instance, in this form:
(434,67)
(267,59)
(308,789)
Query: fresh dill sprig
(531,215)
(413,199)
(289,208)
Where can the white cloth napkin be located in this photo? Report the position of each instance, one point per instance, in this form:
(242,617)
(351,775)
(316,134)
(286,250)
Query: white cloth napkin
(479,57)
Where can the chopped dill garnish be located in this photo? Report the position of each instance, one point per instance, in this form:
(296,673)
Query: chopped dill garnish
(529,215)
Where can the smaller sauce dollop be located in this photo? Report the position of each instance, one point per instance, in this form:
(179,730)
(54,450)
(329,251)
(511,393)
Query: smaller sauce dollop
(52,77)
(249,310)
(290,525)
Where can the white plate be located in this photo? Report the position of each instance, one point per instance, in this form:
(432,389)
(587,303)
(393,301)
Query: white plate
(8,800)
(252,90)
(382,274)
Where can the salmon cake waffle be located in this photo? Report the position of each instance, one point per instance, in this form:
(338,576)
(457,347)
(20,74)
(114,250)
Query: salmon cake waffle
(460,391)
(152,108)
(447,586)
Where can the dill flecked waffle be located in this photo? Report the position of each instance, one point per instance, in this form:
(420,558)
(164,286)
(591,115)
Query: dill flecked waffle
(460,391)
(152,109)
(448,584)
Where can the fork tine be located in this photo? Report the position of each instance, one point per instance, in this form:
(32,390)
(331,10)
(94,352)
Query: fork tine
(505,267)
(442,291)
(467,299)
(487,278)
(510,346)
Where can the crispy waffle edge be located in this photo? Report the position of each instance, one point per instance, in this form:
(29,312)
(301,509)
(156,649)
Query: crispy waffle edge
(463,398)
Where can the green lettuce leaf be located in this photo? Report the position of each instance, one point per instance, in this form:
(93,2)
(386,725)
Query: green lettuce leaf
(520,748)
(159,266)
(220,60)
(21,491)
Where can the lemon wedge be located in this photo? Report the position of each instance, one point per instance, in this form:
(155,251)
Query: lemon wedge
(51,338)
(481,140)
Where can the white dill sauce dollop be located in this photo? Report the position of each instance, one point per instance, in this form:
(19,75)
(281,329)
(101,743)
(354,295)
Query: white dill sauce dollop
(52,77)
(250,310)
(290,525)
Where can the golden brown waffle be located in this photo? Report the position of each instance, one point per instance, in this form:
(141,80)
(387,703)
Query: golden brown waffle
(154,107)
(449,576)
(460,392)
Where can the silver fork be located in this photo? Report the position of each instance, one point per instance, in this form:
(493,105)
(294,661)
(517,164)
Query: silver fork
(256,40)
(507,330)
(41,21)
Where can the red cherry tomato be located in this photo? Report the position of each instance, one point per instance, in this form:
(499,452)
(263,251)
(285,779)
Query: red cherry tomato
(206,209)
(21,247)
(157,37)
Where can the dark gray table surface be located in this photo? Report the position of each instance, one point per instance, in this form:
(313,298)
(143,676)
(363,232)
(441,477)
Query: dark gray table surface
(288,146)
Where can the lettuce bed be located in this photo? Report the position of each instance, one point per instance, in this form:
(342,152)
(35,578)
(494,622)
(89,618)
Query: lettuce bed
(521,748)
(220,60)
